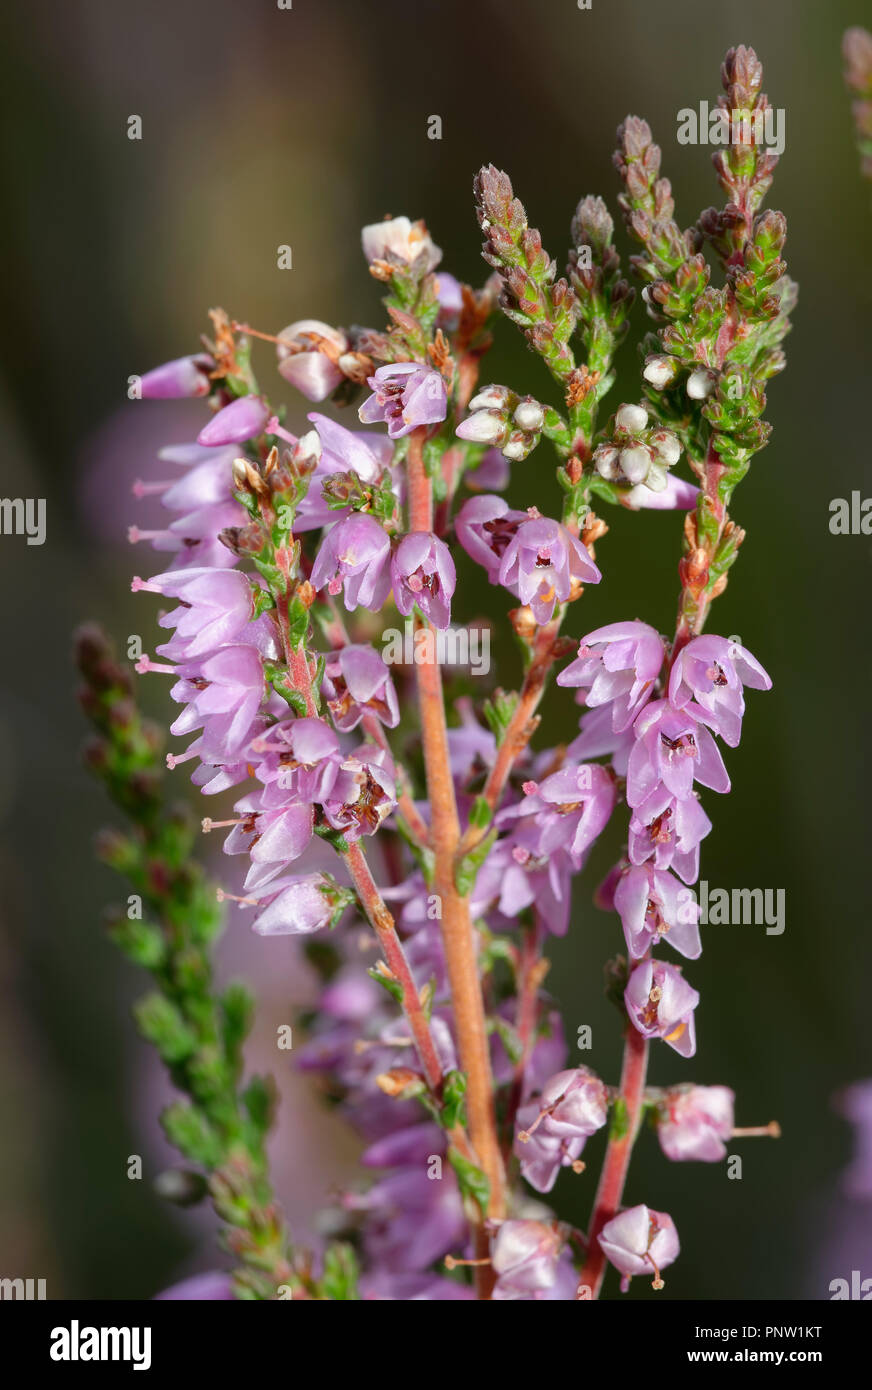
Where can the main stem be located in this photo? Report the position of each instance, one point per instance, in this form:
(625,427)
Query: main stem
(458,934)
(617,1161)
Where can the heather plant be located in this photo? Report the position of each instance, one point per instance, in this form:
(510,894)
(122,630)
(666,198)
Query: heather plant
(352,788)
(857,54)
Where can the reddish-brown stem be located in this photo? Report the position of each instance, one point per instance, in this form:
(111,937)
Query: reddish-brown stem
(530,971)
(521,727)
(382,924)
(617,1160)
(458,933)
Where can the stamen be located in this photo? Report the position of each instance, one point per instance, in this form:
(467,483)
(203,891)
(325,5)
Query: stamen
(770,1131)
(173,759)
(145,664)
(141,489)
(235,898)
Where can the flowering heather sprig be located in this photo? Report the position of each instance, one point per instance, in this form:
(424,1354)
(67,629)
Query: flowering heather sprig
(458,842)
(857,54)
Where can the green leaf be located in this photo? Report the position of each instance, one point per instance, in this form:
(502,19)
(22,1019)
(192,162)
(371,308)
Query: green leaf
(471,1180)
(162,1024)
(467,870)
(341,1270)
(453,1100)
(481,813)
(620,1119)
(190,1131)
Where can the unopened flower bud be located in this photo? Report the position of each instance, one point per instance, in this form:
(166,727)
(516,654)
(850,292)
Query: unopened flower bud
(517,448)
(700,384)
(635,463)
(529,416)
(484,427)
(660,371)
(632,418)
(491,398)
(666,446)
(607,461)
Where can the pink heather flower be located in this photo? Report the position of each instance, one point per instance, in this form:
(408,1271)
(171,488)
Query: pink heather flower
(356,682)
(397,240)
(303,757)
(710,671)
(422,573)
(694,1122)
(274,829)
(525,1256)
(204,503)
(571,807)
(491,472)
(517,874)
(618,666)
(541,1153)
(309,364)
(411,1221)
(640,1241)
(222,695)
(660,1004)
(653,906)
(185,376)
(355,558)
(669,830)
(551,1130)
(675,495)
(295,906)
(405,395)
(450,293)
(575,1102)
(484,526)
(540,563)
(216,604)
(672,749)
(363,452)
(235,423)
(363,795)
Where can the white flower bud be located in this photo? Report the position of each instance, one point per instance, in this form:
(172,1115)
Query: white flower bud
(657,477)
(302,328)
(700,384)
(666,446)
(635,463)
(515,450)
(483,427)
(632,418)
(529,417)
(605,460)
(491,398)
(659,371)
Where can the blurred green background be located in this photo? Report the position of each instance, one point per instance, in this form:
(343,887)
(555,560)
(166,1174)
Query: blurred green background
(263,127)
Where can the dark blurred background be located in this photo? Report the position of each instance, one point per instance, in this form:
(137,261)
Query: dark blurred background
(263,127)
